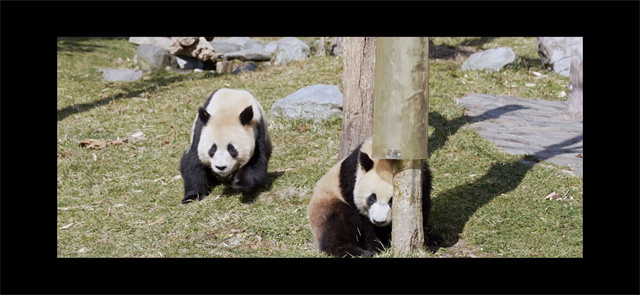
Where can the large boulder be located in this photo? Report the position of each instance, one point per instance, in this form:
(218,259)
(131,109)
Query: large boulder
(557,52)
(316,102)
(248,55)
(290,49)
(489,60)
(224,47)
(154,58)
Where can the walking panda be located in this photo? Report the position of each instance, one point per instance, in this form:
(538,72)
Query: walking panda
(350,211)
(229,140)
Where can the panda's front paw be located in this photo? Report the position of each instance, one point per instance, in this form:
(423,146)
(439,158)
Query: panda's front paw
(247,181)
(366,253)
(191,198)
(188,199)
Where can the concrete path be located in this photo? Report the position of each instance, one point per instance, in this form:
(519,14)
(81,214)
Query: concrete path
(527,126)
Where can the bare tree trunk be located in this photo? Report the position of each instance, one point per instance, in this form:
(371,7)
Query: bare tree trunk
(321,46)
(407,232)
(574,100)
(357,85)
(400,127)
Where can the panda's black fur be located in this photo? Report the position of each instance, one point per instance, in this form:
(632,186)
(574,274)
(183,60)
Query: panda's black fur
(238,115)
(339,227)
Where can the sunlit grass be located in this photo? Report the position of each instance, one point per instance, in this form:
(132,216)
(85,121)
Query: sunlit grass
(124,200)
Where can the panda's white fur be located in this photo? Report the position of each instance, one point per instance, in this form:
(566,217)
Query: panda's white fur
(350,211)
(378,181)
(223,128)
(229,137)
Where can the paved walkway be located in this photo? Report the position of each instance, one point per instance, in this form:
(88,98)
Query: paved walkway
(528,126)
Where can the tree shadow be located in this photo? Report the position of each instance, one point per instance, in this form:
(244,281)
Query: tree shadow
(132,89)
(478,42)
(454,207)
(443,128)
(464,50)
(68,45)
(447,52)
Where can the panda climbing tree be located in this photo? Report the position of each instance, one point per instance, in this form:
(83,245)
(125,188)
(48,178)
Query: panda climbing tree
(399,131)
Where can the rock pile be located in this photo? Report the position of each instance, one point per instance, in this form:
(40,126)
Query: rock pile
(231,53)
(224,55)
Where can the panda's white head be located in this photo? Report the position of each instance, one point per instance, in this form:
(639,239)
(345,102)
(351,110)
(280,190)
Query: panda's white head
(374,187)
(228,137)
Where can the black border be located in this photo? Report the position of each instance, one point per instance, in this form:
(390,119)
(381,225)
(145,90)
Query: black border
(610,263)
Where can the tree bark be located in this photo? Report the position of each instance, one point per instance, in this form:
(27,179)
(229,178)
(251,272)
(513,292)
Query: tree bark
(574,100)
(322,48)
(406,228)
(357,85)
(400,130)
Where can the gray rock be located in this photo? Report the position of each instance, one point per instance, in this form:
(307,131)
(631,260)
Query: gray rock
(271,47)
(290,49)
(154,58)
(225,67)
(224,47)
(248,54)
(240,41)
(120,74)
(252,44)
(164,42)
(557,52)
(489,60)
(316,102)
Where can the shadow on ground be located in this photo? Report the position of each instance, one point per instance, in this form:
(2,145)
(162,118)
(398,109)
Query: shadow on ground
(453,208)
(69,45)
(131,89)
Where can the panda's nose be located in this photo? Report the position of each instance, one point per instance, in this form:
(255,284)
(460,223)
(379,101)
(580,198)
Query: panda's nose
(221,167)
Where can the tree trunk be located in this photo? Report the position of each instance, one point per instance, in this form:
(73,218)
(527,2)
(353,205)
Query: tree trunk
(357,86)
(406,228)
(574,100)
(322,48)
(400,130)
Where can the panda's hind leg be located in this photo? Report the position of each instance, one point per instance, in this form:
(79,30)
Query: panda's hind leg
(433,239)
(339,235)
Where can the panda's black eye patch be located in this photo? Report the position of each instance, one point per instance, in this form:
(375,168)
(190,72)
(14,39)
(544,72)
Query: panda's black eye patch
(371,199)
(232,151)
(365,162)
(213,150)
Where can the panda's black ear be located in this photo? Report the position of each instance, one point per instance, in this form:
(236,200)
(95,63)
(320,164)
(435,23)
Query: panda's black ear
(203,115)
(246,115)
(365,162)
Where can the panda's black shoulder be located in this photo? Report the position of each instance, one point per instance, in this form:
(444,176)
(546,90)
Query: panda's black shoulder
(348,175)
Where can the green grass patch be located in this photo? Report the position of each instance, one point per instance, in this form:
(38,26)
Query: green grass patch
(124,200)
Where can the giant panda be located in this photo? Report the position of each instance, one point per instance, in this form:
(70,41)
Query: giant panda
(229,143)
(350,211)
